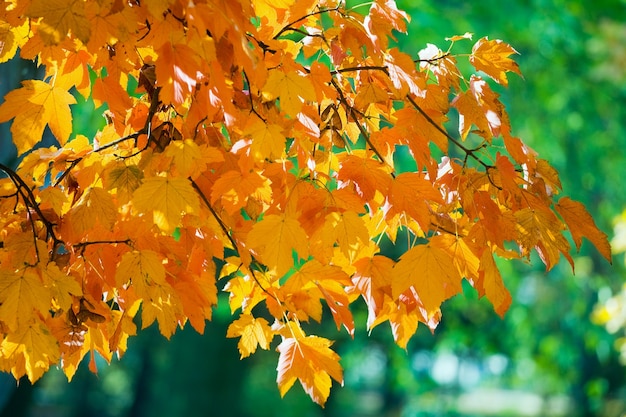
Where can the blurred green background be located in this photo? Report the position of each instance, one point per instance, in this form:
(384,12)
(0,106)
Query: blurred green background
(547,357)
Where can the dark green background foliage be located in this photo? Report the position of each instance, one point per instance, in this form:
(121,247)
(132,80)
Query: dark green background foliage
(545,358)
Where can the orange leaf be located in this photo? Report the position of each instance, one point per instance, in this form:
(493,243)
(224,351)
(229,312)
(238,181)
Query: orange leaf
(581,224)
(492,57)
(311,361)
(480,106)
(367,175)
(491,284)
(431,271)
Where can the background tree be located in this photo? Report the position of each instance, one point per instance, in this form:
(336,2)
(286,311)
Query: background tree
(358,183)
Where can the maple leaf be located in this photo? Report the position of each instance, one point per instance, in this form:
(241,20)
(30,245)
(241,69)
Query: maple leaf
(275,238)
(32,346)
(491,284)
(11,38)
(61,17)
(22,295)
(291,87)
(95,205)
(373,279)
(307,140)
(62,287)
(429,270)
(480,106)
(580,223)
(268,140)
(311,361)
(492,57)
(34,106)
(252,332)
(168,199)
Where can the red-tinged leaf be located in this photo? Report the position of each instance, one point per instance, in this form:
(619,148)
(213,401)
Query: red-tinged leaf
(581,224)
(234,189)
(492,57)
(311,361)
(176,72)
(539,228)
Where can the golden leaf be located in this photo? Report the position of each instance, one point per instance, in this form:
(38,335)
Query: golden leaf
(311,361)
(34,106)
(168,199)
(275,238)
(252,332)
(492,57)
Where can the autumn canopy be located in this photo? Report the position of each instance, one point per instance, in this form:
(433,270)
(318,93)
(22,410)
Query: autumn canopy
(253,147)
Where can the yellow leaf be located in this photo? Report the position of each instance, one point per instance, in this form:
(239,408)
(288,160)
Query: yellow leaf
(124,179)
(62,286)
(22,294)
(268,140)
(431,271)
(348,229)
(581,224)
(311,361)
(275,238)
(161,305)
(96,205)
(142,269)
(32,107)
(11,38)
(168,199)
(492,57)
(33,347)
(252,332)
(291,87)
(61,17)
(145,271)
(190,159)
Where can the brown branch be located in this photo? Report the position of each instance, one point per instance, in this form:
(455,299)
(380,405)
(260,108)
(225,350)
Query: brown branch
(145,130)
(290,24)
(30,202)
(353,113)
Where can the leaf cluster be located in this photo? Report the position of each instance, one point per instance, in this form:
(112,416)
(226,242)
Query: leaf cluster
(256,154)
